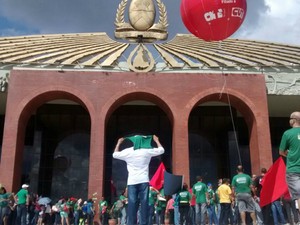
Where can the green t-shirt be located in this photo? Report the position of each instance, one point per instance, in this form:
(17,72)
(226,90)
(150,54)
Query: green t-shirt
(4,199)
(291,141)
(242,183)
(22,196)
(102,204)
(200,189)
(152,197)
(184,196)
(123,199)
(161,204)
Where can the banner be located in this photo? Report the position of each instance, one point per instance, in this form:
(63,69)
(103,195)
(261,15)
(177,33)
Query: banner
(172,183)
(157,180)
(273,184)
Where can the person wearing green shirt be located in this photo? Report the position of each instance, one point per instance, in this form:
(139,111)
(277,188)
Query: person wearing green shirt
(290,148)
(22,200)
(77,211)
(184,204)
(242,188)
(123,198)
(212,216)
(200,191)
(160,207)
(4,198)
(103,211)
(152,201)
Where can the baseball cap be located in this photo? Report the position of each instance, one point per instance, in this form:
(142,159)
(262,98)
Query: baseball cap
(25,186)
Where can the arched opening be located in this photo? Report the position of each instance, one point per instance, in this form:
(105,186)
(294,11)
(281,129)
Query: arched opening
(57,148)
(218,142)
(134,117)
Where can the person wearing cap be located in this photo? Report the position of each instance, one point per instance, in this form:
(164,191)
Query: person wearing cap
(137,159)
(22,200)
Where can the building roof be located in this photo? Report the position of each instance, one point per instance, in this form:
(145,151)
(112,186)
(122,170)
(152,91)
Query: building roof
(187,53)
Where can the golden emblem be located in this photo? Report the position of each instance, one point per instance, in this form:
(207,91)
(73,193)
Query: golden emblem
(140,59)
(141,26)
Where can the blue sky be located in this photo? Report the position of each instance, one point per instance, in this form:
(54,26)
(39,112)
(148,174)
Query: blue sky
(266,20)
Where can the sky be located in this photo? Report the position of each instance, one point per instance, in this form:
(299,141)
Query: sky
(275,21)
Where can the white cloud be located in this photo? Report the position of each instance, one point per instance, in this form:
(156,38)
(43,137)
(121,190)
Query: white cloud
(280,23)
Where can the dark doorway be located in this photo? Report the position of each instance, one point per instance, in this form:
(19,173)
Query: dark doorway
(56,152)
(218,142)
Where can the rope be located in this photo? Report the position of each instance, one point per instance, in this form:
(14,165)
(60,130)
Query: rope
(231,117)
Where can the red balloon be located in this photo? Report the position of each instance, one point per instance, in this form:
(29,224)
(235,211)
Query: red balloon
(213,20)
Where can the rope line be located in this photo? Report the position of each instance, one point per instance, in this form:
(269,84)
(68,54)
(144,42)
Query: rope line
(231,117)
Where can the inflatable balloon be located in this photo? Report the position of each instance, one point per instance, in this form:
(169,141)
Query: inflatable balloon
(213,20)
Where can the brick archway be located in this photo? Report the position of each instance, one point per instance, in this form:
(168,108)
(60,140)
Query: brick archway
(23,108)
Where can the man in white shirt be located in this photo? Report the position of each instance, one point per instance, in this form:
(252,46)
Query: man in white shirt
(137,159)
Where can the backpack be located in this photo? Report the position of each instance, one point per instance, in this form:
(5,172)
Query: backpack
(84,209)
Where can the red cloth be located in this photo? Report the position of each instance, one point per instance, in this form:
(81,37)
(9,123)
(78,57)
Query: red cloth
(193,200)
(157,180)
(273,184)
(113,189)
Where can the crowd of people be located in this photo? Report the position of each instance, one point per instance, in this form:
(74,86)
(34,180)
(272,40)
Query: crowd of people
(232,202)
(24,208)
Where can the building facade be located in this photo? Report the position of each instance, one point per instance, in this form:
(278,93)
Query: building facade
(66,99)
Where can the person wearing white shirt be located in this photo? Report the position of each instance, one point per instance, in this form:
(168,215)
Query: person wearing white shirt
(137,159)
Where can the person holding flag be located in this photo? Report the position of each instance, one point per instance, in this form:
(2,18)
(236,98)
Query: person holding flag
(290,148)
(137,159)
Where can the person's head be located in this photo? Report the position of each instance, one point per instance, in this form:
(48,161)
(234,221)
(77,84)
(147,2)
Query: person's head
(2,190)
(199,178)
(295,119)
(185,186)
(263,171)
(209,185)
(225,181)
(239,169)
(220,181)
(253,176)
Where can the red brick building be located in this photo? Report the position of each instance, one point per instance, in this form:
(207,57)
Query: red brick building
(69,97)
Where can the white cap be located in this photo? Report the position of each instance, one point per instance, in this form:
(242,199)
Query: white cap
(25,186)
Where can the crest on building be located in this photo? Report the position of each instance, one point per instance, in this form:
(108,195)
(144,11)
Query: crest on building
(141,28)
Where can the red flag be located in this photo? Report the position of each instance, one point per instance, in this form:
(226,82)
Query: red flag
(158,178)
(273,184)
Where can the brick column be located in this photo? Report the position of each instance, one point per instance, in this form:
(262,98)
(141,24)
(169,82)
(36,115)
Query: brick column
(180,154)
